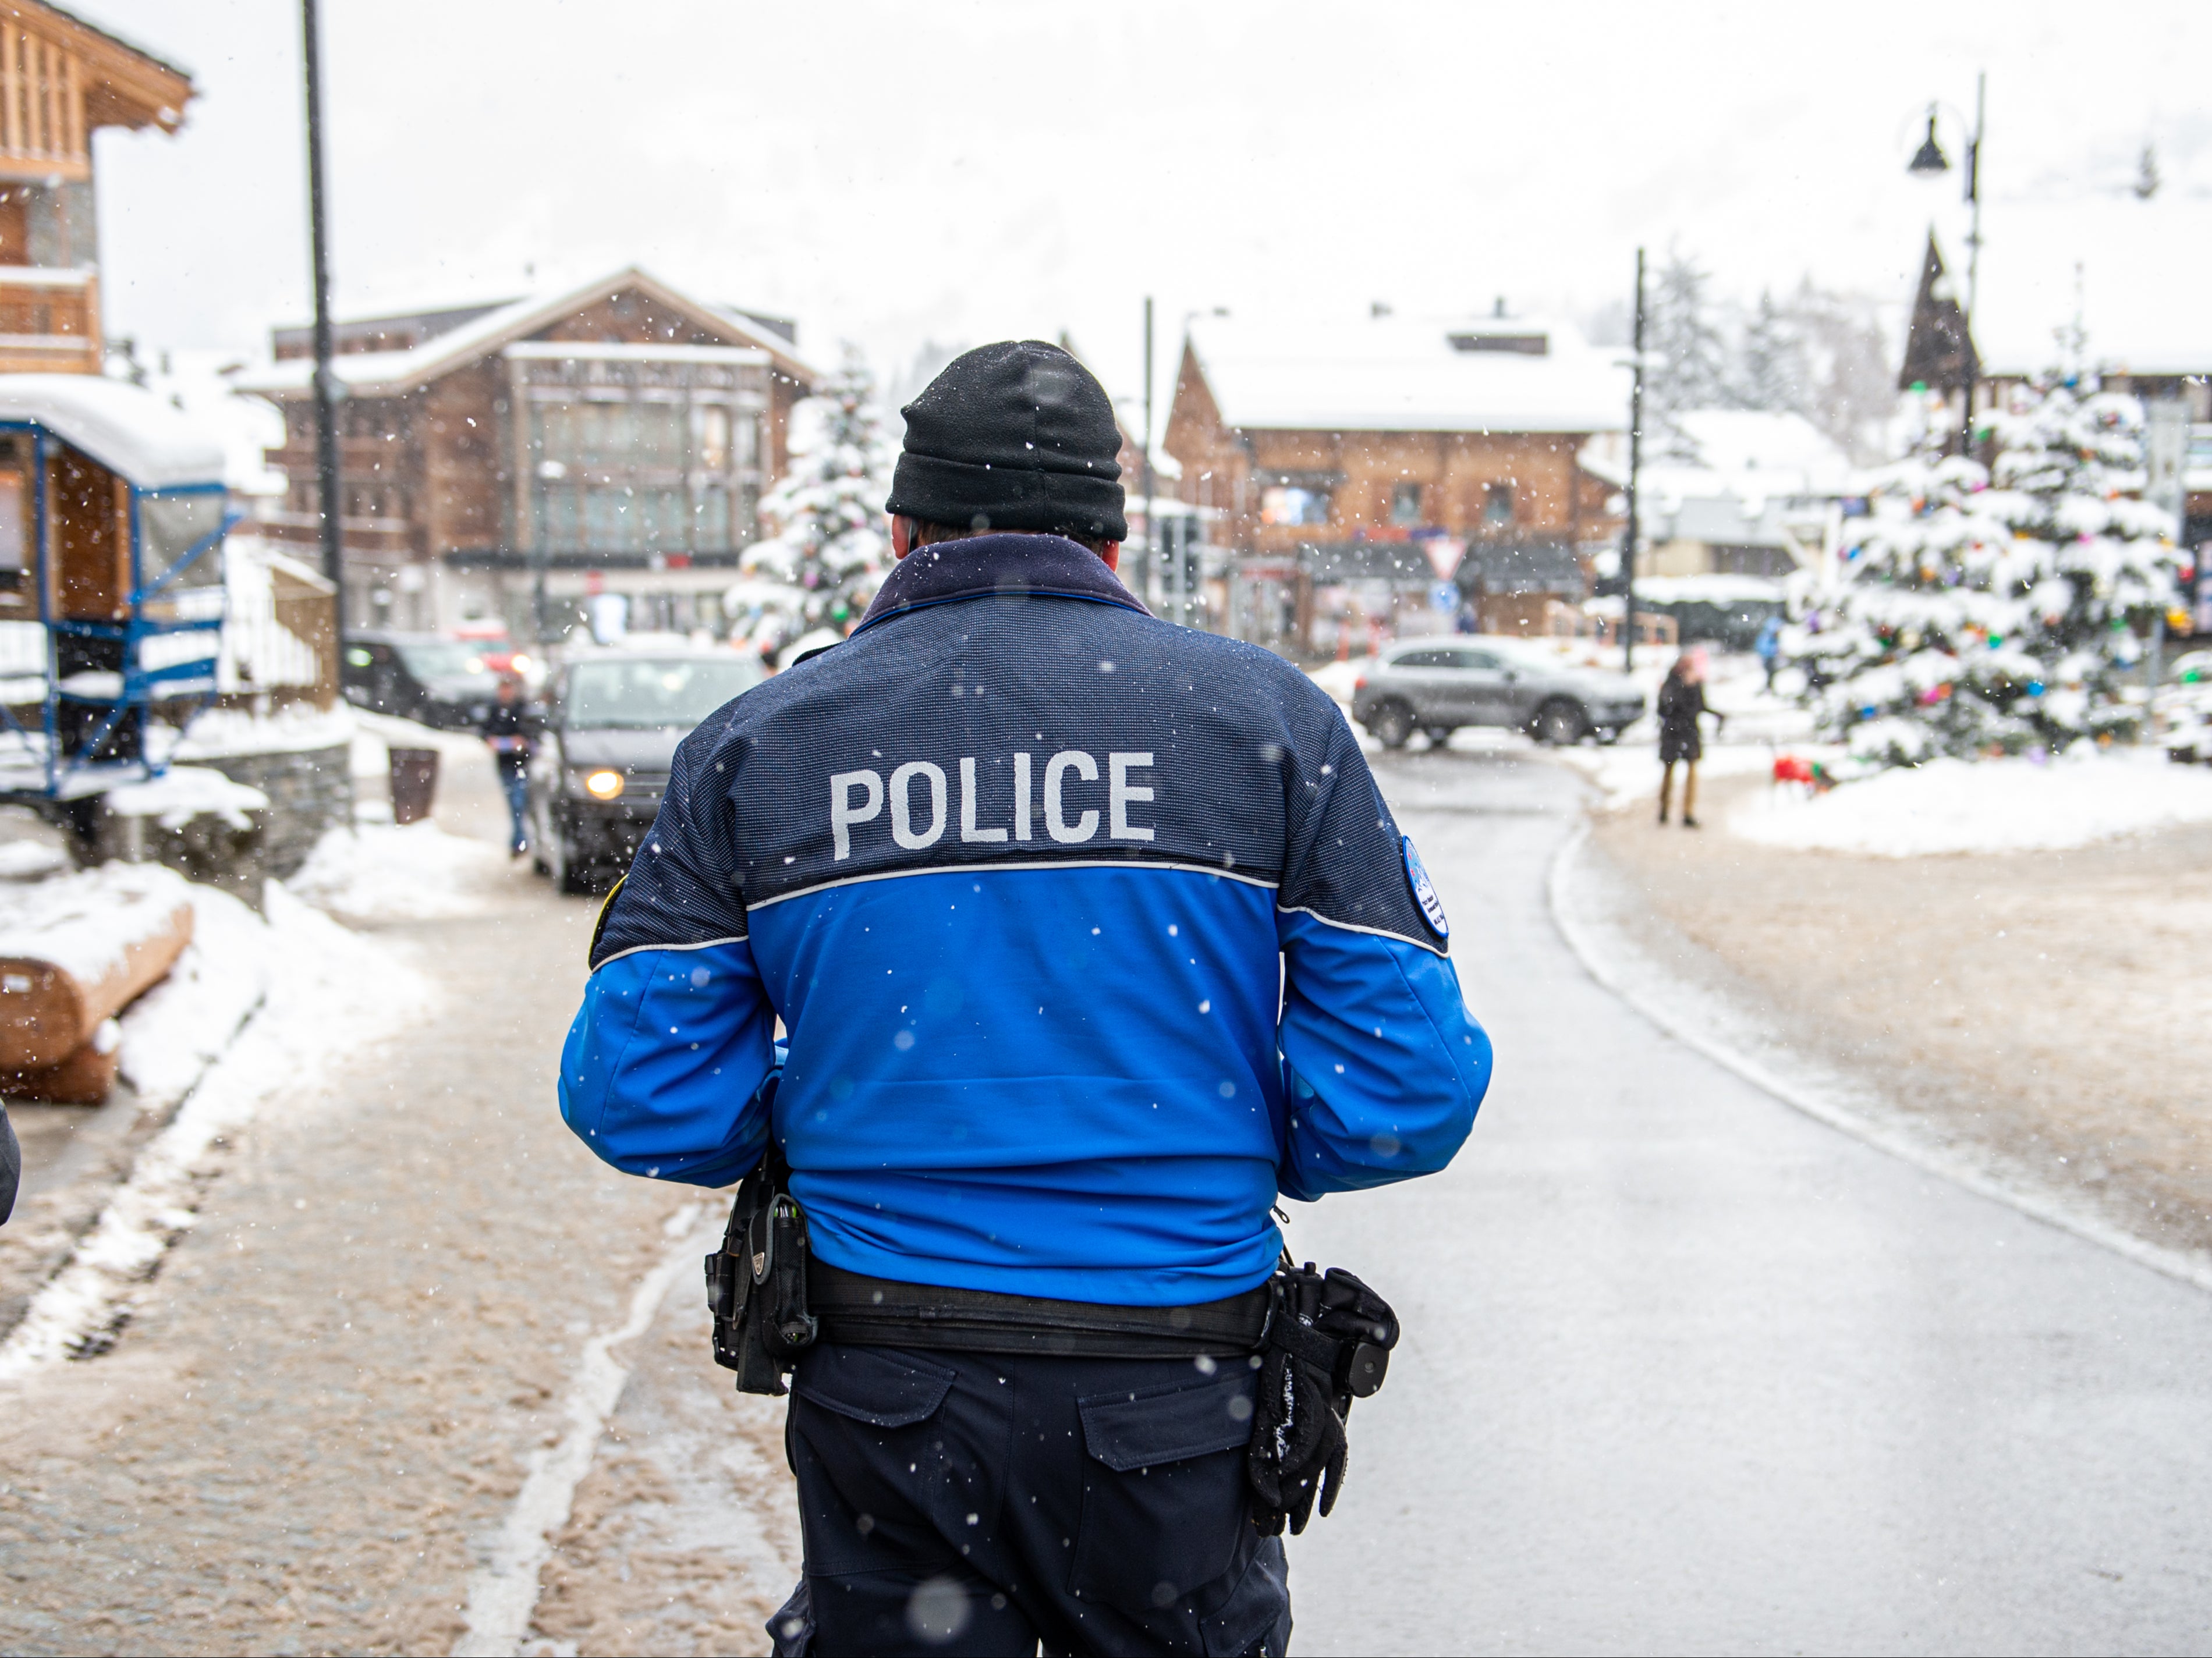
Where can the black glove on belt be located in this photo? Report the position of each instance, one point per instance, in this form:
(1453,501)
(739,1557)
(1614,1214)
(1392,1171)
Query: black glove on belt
(1328,1342)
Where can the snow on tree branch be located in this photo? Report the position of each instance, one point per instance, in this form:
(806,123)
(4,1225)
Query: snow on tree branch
(1997,615)
(830,550)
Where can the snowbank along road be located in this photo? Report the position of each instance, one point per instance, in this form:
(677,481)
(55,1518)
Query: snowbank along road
(1683,1367)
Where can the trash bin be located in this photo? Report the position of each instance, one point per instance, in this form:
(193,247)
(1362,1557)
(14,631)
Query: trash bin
(414,784)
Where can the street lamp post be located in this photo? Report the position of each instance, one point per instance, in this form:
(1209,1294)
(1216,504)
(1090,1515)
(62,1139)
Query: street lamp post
(1629,532)
(1927,162)
(1145,461)
(327,437)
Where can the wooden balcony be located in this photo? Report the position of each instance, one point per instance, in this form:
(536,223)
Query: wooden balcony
(49,321)
(372,538)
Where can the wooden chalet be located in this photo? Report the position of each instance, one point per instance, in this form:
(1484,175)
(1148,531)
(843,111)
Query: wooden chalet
(1370,461)
(507,461)
(61,80)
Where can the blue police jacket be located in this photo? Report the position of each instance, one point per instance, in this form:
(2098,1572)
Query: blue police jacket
(1090,934)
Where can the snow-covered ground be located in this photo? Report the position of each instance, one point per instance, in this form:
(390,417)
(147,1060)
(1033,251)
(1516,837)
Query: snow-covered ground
(307,972)
(223,731)
(1628,774)
(375,737)
(381,872)
(184,793)
(172,1033)
(1990,805)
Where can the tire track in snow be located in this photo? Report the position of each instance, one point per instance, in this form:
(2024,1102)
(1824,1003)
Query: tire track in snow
(503,1591)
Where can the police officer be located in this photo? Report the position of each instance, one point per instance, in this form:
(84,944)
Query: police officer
(1091,935)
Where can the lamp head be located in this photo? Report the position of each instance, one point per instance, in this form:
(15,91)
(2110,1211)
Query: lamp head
(1930,159)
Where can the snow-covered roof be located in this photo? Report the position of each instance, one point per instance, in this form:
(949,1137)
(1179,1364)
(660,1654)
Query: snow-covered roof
(1755,479)
(195,383)
(1743,440)
(389,373)
(2134,271)
(131,432)
(1714,589)
(1392,373)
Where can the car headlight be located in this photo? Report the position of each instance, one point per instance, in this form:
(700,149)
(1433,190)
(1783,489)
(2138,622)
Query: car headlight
(603,785)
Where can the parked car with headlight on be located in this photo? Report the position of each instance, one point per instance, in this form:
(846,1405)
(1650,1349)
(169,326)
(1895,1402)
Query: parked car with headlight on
(1437,685)
(610,721)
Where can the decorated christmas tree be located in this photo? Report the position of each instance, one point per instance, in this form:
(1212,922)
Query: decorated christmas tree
(1978,620)
(828,510)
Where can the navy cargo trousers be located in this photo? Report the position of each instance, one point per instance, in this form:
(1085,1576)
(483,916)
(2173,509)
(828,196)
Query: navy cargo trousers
(976,1504)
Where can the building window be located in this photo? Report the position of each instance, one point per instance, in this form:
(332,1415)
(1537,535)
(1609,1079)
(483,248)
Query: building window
(661,515)
(607,520)
(714,439)
(1497,506)
(714,515)
(1406,505)
(1287,503)
(560,519)
(641,454)
(660,437)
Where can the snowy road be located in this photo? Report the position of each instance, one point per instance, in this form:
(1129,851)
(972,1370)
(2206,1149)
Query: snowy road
(1686,1370)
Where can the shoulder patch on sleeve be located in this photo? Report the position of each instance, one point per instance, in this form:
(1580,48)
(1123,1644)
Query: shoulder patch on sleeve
(1424,890)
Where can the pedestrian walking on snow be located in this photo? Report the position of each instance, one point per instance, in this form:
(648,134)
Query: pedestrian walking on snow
(1093,937)
(506,727)
(1767,648)
(1681,704)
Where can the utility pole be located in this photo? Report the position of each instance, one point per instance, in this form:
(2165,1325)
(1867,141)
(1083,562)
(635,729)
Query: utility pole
(1973,254)
(1145,466)
(1630,534)
(327,437)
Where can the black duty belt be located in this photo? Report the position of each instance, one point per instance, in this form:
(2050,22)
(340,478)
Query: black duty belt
(874,1312)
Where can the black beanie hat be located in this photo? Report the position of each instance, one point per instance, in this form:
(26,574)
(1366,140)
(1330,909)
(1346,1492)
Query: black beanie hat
(1018,434)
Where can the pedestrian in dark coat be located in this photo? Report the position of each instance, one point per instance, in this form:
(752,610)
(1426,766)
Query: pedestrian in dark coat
(1681,702)
(506,727)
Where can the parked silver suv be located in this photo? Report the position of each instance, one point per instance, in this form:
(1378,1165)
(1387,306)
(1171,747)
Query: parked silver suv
(1437,685)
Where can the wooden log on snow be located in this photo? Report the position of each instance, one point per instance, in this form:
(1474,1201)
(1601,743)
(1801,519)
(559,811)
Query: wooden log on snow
(76,950)
(83,1078)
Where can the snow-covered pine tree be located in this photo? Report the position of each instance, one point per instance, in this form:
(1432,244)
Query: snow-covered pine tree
(1976,619)
(1851,392)
(1686,355)
(828,509)
(1772,373)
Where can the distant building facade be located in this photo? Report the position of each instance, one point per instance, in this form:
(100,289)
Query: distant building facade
(61,80)
(1752,493)
(1353,471)
(512,461)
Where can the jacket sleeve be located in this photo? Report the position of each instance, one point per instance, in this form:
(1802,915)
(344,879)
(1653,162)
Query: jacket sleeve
(11,1165)
(1383,1067)
(662,1073)
(663,1069)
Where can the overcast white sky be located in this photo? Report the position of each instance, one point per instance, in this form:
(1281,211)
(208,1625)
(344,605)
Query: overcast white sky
(960,172)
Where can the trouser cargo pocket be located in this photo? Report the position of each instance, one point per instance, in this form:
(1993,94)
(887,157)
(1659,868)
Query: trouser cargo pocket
(1164,1498)
(864,1420)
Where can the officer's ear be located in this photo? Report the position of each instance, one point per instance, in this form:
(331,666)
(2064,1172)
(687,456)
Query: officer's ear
(902,536)
(1111,552)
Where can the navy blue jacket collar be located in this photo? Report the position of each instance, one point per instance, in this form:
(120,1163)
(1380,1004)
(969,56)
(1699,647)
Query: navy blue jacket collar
(979,567)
